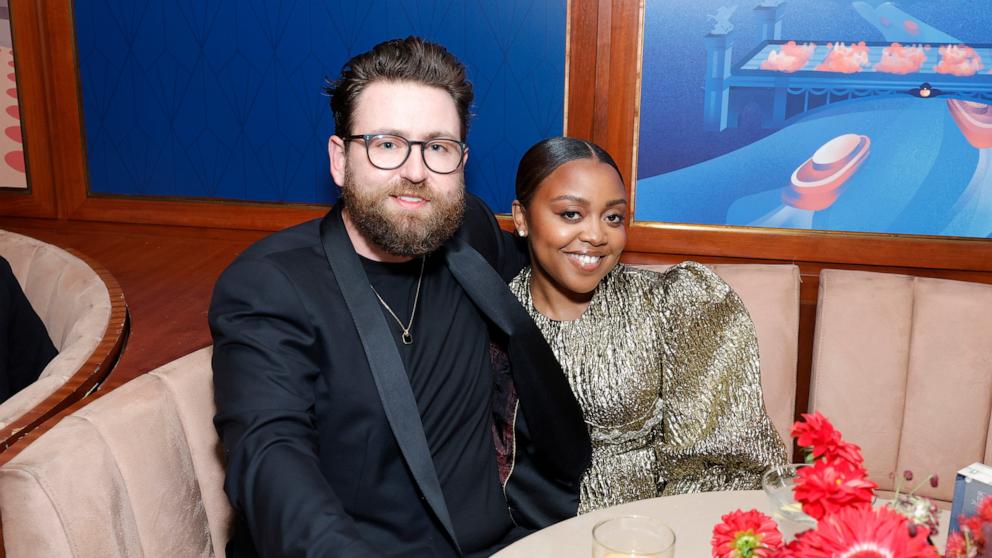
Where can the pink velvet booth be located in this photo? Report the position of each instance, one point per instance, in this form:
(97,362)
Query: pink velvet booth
(771,295)
(903,367)
(137,472)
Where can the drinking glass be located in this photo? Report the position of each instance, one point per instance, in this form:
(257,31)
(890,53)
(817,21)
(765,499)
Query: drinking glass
(632,536)
(778,482)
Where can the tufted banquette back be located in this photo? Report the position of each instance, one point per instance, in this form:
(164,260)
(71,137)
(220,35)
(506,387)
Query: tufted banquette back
(903,367)
(137,472)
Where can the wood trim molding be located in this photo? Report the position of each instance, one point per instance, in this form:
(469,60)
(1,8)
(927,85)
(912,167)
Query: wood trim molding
(31,48)
(603,74)
(580,68)
(88,376)
(193,213)
(813,246)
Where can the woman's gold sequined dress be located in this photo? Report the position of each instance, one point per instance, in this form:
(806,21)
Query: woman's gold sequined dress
(665,368)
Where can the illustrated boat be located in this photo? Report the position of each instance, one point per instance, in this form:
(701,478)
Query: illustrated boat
(974,120)
(816,184)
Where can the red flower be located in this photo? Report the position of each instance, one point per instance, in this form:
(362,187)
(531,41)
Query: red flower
(974,526)
(827,486)
(844,450)
(985,509)
(814,429)
(957,547)
(792,549)
(749,534)
(975,533)
(863,532)
(817,433)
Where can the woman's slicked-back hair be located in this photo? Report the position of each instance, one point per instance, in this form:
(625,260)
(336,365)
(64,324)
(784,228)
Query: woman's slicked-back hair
(545,156)
(411,59)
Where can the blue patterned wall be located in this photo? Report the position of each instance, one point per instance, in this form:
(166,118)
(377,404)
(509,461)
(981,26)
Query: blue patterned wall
(221,98)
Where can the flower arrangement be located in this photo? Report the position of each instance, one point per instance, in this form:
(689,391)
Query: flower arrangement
(972,540)
(835,490)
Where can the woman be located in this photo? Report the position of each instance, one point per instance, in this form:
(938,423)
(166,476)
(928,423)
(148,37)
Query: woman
(664,365)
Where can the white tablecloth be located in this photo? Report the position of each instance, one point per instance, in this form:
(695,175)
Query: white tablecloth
(691,516)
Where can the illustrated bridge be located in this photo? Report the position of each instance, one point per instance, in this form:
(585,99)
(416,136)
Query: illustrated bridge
(782,96)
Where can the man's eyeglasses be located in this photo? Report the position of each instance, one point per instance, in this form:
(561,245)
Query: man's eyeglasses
(388,152)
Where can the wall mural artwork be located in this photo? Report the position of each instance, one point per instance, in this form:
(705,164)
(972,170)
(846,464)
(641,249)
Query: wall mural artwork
(11,142)
(862,116)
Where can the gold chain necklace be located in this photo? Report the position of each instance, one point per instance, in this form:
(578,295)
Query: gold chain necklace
(407,338)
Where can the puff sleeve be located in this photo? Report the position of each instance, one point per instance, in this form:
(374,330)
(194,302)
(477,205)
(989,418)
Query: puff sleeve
(715,432)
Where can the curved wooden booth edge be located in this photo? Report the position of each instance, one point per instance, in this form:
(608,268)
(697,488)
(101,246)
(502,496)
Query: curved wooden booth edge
(93,371)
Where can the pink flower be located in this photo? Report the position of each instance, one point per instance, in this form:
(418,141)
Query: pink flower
(827,486)
(749,534)
(863,532)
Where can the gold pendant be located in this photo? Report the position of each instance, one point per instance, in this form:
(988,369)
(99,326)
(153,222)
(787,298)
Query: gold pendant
(407,338)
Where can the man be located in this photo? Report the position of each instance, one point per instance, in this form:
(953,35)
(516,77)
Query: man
(359,359)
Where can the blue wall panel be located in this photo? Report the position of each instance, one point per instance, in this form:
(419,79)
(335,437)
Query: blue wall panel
(221,98)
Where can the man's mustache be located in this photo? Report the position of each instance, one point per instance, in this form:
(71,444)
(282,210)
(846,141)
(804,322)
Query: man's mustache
(406,187)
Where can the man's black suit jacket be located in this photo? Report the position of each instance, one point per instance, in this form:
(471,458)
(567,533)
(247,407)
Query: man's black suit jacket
(325,452)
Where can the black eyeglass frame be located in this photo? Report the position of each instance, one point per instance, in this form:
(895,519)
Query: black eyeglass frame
(366,138)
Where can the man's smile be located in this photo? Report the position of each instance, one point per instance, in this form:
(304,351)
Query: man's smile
(410,201)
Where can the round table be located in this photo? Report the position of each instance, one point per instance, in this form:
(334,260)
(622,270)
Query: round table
(691,516)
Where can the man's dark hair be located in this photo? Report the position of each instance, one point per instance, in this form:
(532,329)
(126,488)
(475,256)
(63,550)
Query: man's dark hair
(545,156)
(411,59)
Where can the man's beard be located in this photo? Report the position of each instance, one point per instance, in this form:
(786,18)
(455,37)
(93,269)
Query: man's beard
(398,232)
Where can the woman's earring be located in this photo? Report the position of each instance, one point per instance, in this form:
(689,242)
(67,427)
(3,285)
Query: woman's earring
(521,233)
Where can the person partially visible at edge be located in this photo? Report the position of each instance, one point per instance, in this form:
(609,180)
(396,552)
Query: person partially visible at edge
(25,348)
(664,365)
(369,364)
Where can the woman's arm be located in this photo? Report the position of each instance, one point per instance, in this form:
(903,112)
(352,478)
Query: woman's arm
(715,434)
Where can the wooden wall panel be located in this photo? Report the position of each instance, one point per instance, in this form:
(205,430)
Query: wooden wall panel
(601,107)
(580,83)
(30,52)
